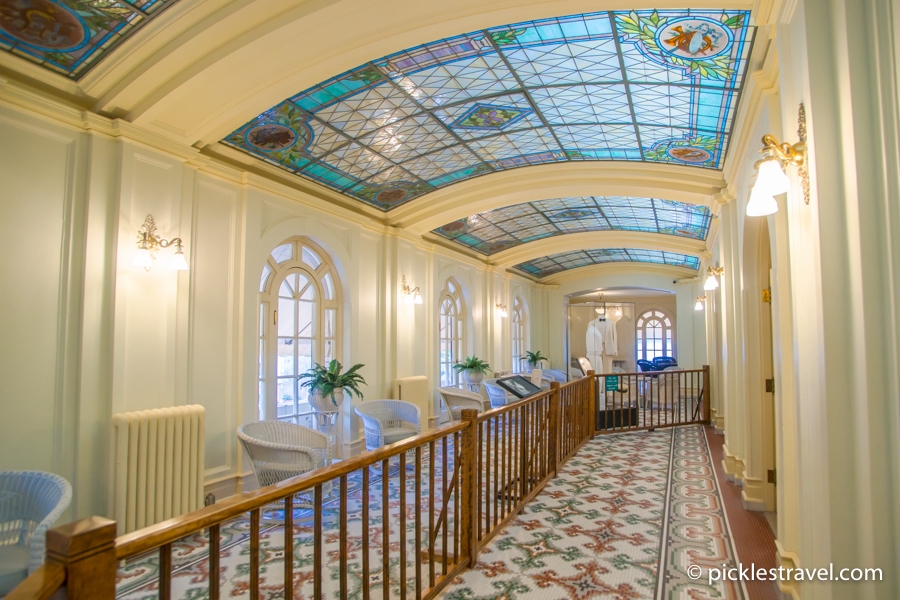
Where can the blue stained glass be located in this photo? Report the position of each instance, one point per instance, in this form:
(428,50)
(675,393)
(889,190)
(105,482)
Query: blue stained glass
(548,265)
(520,223)
(481,102)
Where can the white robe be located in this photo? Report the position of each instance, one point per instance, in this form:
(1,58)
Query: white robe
(601,344)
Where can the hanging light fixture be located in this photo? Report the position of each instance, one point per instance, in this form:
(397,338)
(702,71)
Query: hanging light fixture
(602,309)
(711,281)
(501,310)
(771,179)
(701,301)
(149,243)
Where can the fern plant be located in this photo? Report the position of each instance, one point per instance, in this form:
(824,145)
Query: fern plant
(325,381)
(473,364)
(534,357)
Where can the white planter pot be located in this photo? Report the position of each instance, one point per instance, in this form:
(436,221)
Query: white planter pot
(473,378)
(322,403)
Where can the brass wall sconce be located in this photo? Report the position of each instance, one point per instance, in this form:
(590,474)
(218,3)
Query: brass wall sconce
(701,302)
(501,310)
(771,179)
(149,243)
(711,281)
(410,295)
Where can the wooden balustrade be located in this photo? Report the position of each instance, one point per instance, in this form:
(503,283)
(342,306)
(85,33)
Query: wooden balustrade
(652,399)
(490,466)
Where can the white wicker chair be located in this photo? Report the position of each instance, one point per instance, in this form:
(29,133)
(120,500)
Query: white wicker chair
(555,374)
(455,400)
(30,502)
(540,380)
(497,395)
(388,421)
(279,450)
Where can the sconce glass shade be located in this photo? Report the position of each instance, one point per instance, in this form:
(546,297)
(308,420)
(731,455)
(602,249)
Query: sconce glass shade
(418,298)
(143,259)
(698,306)
(772,179)
(761,203)
(407,298)
(711,283)
(179,263)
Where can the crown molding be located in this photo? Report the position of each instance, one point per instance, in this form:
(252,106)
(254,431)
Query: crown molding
(589,271)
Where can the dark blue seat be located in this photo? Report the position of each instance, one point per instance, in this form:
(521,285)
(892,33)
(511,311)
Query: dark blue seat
(662,362)
(646,365)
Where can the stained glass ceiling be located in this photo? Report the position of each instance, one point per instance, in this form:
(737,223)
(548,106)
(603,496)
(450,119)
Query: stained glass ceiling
(548,265)
(635,86)
(497,230)
(71,36)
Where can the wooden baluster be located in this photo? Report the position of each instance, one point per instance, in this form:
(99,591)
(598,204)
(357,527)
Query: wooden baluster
(444,506)
(317,543)
(254,554)
(497,471)
(553,429)
(365,533)
(165,570)
(402,527)
(456,507)
(418,522)
(343,536)
(504,440)
(487,479)
(432,538)
(214,544)
(288,549)
(385,532)
(523,451)
(467,486)
(480,470)
(707,393)
(592,393)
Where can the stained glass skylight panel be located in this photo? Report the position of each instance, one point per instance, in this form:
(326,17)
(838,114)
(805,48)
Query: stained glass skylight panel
(548,265)
(652,86)
(492,231)
(71,36)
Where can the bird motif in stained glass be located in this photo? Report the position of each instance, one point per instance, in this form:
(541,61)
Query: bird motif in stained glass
(271,137)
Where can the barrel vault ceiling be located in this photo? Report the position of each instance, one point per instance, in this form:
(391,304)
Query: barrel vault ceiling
(642,86)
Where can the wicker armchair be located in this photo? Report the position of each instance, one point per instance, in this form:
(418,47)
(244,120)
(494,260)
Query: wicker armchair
(279,450)
(555,374)
(497,395)
(455,400)
(30,502)
(388,421)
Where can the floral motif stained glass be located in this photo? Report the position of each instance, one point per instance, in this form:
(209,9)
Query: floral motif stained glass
(657,86)
(492,231)
(71,36)
(548,265)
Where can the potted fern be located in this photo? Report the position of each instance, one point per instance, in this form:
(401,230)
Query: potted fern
(473,369)
(326,386)
(533,359)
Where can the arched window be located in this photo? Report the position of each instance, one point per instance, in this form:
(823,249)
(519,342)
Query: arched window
(518,323)
(452,331)
(654,335)
(299,324)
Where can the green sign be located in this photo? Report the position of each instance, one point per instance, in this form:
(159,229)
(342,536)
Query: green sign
(612,384)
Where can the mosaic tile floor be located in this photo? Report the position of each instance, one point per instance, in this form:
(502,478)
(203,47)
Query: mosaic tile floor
(595,532)
(627,516)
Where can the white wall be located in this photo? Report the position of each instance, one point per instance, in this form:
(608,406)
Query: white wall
(86,334)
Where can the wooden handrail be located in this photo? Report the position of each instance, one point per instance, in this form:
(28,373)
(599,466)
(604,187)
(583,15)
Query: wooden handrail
(41,584)
(154,536)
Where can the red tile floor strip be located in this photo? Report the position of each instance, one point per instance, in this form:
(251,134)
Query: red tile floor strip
(753,537)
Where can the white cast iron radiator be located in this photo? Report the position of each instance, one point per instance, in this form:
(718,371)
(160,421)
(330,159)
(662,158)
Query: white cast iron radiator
(415,390)
(157,465)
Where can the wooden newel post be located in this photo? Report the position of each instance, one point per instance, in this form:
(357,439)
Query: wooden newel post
(707,393)
(593,402)
(87,549)
(553,436)
(469,492)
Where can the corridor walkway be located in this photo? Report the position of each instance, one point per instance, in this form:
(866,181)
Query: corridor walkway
(625,519)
